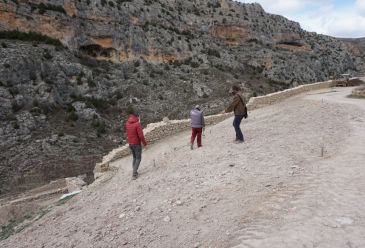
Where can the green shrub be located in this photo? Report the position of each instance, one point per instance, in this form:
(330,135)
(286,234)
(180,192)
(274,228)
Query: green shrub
(14,91)
(42,8)
(49,81)
(3,44)
(93,102)
(47,55)
(35,102)
(30,36)
(101,129)
(16,106)
(213,52)
(90,82)
(72,116)
(137,63)
(79,80)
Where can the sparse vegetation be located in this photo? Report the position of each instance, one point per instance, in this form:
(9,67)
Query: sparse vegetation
(90,82)
(213,52)
(15,106)
(29,36)
(47,55)
(42,8)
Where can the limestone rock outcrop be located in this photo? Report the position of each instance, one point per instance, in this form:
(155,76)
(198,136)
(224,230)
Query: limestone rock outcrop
(66,88)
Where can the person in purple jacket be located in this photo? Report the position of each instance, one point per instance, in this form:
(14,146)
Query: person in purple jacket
(197,125)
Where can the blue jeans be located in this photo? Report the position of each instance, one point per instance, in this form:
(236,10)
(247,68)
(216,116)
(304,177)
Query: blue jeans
(137,157)
(236,123)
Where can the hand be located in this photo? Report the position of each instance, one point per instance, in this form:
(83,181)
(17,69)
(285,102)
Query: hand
(146,147)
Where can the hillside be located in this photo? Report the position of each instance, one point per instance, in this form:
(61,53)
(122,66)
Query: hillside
(359,42)
(70,71)
(301,183)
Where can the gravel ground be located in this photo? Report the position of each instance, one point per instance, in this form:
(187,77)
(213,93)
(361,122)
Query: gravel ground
(297,181)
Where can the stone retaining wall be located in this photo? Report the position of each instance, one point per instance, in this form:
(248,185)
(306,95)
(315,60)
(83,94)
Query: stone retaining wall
(261,101)
(156,131)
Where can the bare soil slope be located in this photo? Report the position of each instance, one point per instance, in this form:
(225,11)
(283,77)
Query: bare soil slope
(297,181)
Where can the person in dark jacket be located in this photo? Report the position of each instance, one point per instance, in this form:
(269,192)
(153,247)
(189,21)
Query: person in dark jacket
(238,106)
(197,125)
(135,138)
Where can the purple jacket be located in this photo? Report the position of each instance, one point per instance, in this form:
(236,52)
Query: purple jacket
(197,118)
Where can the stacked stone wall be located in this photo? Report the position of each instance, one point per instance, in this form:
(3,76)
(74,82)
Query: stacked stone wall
(157,131)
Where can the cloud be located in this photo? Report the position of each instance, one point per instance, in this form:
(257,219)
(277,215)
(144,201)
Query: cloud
(322,16)
(360,5)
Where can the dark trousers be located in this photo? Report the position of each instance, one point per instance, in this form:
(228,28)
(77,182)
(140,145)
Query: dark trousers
(236,123)
(196,132)
(137,157)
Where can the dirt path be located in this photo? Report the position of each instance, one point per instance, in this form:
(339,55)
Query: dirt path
(297,181)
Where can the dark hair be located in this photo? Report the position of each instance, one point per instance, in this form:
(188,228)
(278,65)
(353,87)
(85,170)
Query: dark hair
(236,88)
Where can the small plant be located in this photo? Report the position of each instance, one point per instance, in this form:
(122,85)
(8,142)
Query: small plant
(72,116)
(79,80)
(90,82)
(47,55)
(14,91)
(35,102)
(213,52)
(137,63)
(15,124)
(16,106)
(101,129)
(3,45)
(32,76)
(7,66)
(49,81)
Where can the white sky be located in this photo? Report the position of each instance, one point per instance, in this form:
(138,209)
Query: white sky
(339,18)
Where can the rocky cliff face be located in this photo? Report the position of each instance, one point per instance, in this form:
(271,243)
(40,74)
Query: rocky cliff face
(61,105)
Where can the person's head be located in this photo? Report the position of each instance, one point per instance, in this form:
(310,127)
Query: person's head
(235,88)
(197,107)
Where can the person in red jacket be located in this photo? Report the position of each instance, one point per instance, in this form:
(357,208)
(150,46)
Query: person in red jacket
(135,138)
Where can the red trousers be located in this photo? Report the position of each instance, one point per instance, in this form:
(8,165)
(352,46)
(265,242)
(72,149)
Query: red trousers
(196,132)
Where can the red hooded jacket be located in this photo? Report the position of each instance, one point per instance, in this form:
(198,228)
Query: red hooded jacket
(134,131)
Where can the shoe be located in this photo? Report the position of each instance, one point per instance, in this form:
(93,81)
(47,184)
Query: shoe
(134,177)
(238,141)
(191,146)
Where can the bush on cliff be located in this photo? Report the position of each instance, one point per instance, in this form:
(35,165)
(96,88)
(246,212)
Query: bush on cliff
(29,36)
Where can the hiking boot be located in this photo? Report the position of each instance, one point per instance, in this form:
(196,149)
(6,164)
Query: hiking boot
(134,177)
(191,146)
(238,141)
